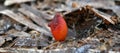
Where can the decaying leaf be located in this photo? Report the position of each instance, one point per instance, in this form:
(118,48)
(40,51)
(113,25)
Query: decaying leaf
(94,51)
(116,9)
(81,21)
(5,24)
(103,47)
(26,42)
(21,19)
(101,14)
(21,34)
(93,3)
(10,2)
(35,18)
(83,49)
(32,50)
(2,40)
(40,14)
(19,27)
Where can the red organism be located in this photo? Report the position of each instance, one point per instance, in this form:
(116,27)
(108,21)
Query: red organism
(58,27)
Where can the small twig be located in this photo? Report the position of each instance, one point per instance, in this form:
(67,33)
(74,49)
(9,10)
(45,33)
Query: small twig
(51,45)
(74,29)
(12,43)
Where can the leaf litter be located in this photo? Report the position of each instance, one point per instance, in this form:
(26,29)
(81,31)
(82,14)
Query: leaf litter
(93,26)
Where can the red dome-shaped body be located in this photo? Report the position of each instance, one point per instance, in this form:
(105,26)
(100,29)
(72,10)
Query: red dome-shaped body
(58,27)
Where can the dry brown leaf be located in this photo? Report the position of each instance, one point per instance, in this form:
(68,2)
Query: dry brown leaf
(94,3)
(101,14)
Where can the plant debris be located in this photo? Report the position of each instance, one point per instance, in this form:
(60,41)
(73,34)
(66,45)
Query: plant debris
(93,26)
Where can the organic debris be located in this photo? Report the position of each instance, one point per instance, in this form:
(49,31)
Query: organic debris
(93,26)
